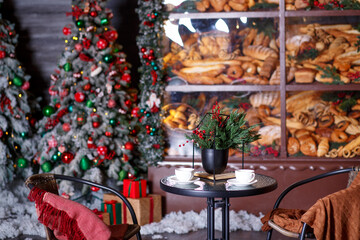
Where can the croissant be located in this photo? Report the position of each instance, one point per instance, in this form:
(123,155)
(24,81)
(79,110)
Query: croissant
(293,146)
(323,147)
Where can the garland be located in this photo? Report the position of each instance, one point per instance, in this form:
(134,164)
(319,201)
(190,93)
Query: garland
(150,134)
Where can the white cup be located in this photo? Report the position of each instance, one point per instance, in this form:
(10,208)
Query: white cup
(245,175)
(184,174)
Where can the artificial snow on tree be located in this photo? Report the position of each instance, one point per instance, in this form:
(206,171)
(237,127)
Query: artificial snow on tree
(151,140)
(87,130)
(17,147)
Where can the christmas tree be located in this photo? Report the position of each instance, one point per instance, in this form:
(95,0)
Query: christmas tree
(152,84)
(17,146)
(87,130)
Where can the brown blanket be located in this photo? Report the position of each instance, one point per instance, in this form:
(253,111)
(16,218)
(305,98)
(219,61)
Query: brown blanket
(337,216)
(288,219)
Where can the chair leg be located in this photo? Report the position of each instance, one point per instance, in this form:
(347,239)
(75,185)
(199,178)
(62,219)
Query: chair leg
(269,234)
(303,231)
(138,236)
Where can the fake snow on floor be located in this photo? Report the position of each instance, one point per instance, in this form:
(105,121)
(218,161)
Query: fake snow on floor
(18,217)
(180,223)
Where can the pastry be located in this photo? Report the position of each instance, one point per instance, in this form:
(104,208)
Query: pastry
(338,136)
(351,57)
(353,129)
(238,6)
(269,134)
(218,5)
(210,62)
(259,52)
(275,77)
(308,146)
(305,75)
(235,71)
(323,147)
(293,43)
(268,67)
(271,99)
(249,68)
(256,80)
(293,146)
(351,145)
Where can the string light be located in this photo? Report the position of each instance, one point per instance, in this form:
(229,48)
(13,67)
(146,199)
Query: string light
(10,82)
(106,114)
(20,95)
(75,38)
(66,41)
(20,66)
(94,109)
(75,137)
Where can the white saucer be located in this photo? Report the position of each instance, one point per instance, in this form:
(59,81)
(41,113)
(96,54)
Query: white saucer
(173,178)
(233,181)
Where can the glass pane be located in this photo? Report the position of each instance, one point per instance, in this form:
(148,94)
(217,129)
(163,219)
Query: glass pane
(219,5)
(222,51)
(323,50)
(323,124)
(182,112)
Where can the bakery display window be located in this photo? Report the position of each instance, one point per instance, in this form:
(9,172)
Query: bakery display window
(181,113)
(222,51)
(323,50)
(220,5)
(323,124)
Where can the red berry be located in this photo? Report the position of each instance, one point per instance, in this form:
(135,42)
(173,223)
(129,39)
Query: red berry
(66,31)
(2,54)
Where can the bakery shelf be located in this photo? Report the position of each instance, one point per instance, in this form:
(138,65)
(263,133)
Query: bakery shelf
(322,13)
(221,88)
(208,15)
(322,87)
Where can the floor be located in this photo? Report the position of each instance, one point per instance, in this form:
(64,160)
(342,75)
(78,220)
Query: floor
(198,235)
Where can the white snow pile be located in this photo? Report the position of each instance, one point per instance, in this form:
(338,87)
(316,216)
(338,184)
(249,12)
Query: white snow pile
(180,223)
(17,214)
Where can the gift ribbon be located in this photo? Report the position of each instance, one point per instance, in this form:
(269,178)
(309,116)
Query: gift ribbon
(151,215)
(112,202)
(124,210)
(135,180)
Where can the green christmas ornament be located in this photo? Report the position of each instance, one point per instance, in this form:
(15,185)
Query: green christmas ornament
(104,21)
(48,111)
(22,163)
(80,23)
(89,103)
(67,67)
(24,134)
(85,163)
(112,121)
(55,157)
(108,58)
(18,81)
(122,175)
(46,167)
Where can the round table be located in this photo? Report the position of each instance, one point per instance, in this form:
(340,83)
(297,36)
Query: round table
(210,189)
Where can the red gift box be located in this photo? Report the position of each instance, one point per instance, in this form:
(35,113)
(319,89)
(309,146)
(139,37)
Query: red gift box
(134,188)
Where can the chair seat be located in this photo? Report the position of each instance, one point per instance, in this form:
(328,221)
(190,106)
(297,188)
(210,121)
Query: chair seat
(123,231)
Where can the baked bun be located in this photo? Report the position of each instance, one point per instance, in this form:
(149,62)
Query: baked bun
(293,146)
(293,43)
(305,75)
(259,52)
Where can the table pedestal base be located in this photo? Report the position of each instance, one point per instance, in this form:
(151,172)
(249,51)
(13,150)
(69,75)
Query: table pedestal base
(212,204)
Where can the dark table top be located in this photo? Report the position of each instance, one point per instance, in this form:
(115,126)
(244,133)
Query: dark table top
(221,188)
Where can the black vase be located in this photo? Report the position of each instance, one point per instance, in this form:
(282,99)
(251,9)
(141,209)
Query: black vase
(213,159)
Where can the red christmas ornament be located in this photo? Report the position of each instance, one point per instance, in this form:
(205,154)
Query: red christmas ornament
(94,189)
(102,44)
(108,134)
(126,158)
(111,103)
(67,157)
(78,47)
(87,87)
(57,105)
(93,13)
(66,127)
(102,150)
(1,133)
(128,103)
(129,146)
(135,112)
(25,86)
(143,49)
(79,97)
(126,77)
(86,43)
(96,124)
(112,35)
(2,54)
(156,146)
(90,143)
(66,31)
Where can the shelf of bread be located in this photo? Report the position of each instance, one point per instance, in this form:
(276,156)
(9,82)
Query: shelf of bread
(209,6)
(224,52)
(225,15)
(220,88)
(331,121)
(321,87)
(262,109)
(323,53)
(321,13)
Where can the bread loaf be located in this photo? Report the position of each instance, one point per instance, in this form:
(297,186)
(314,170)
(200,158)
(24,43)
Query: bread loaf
(259,52)
(305,75)
(210,62)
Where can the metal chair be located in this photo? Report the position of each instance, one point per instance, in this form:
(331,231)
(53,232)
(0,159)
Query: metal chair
(47,182)
(305,233)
